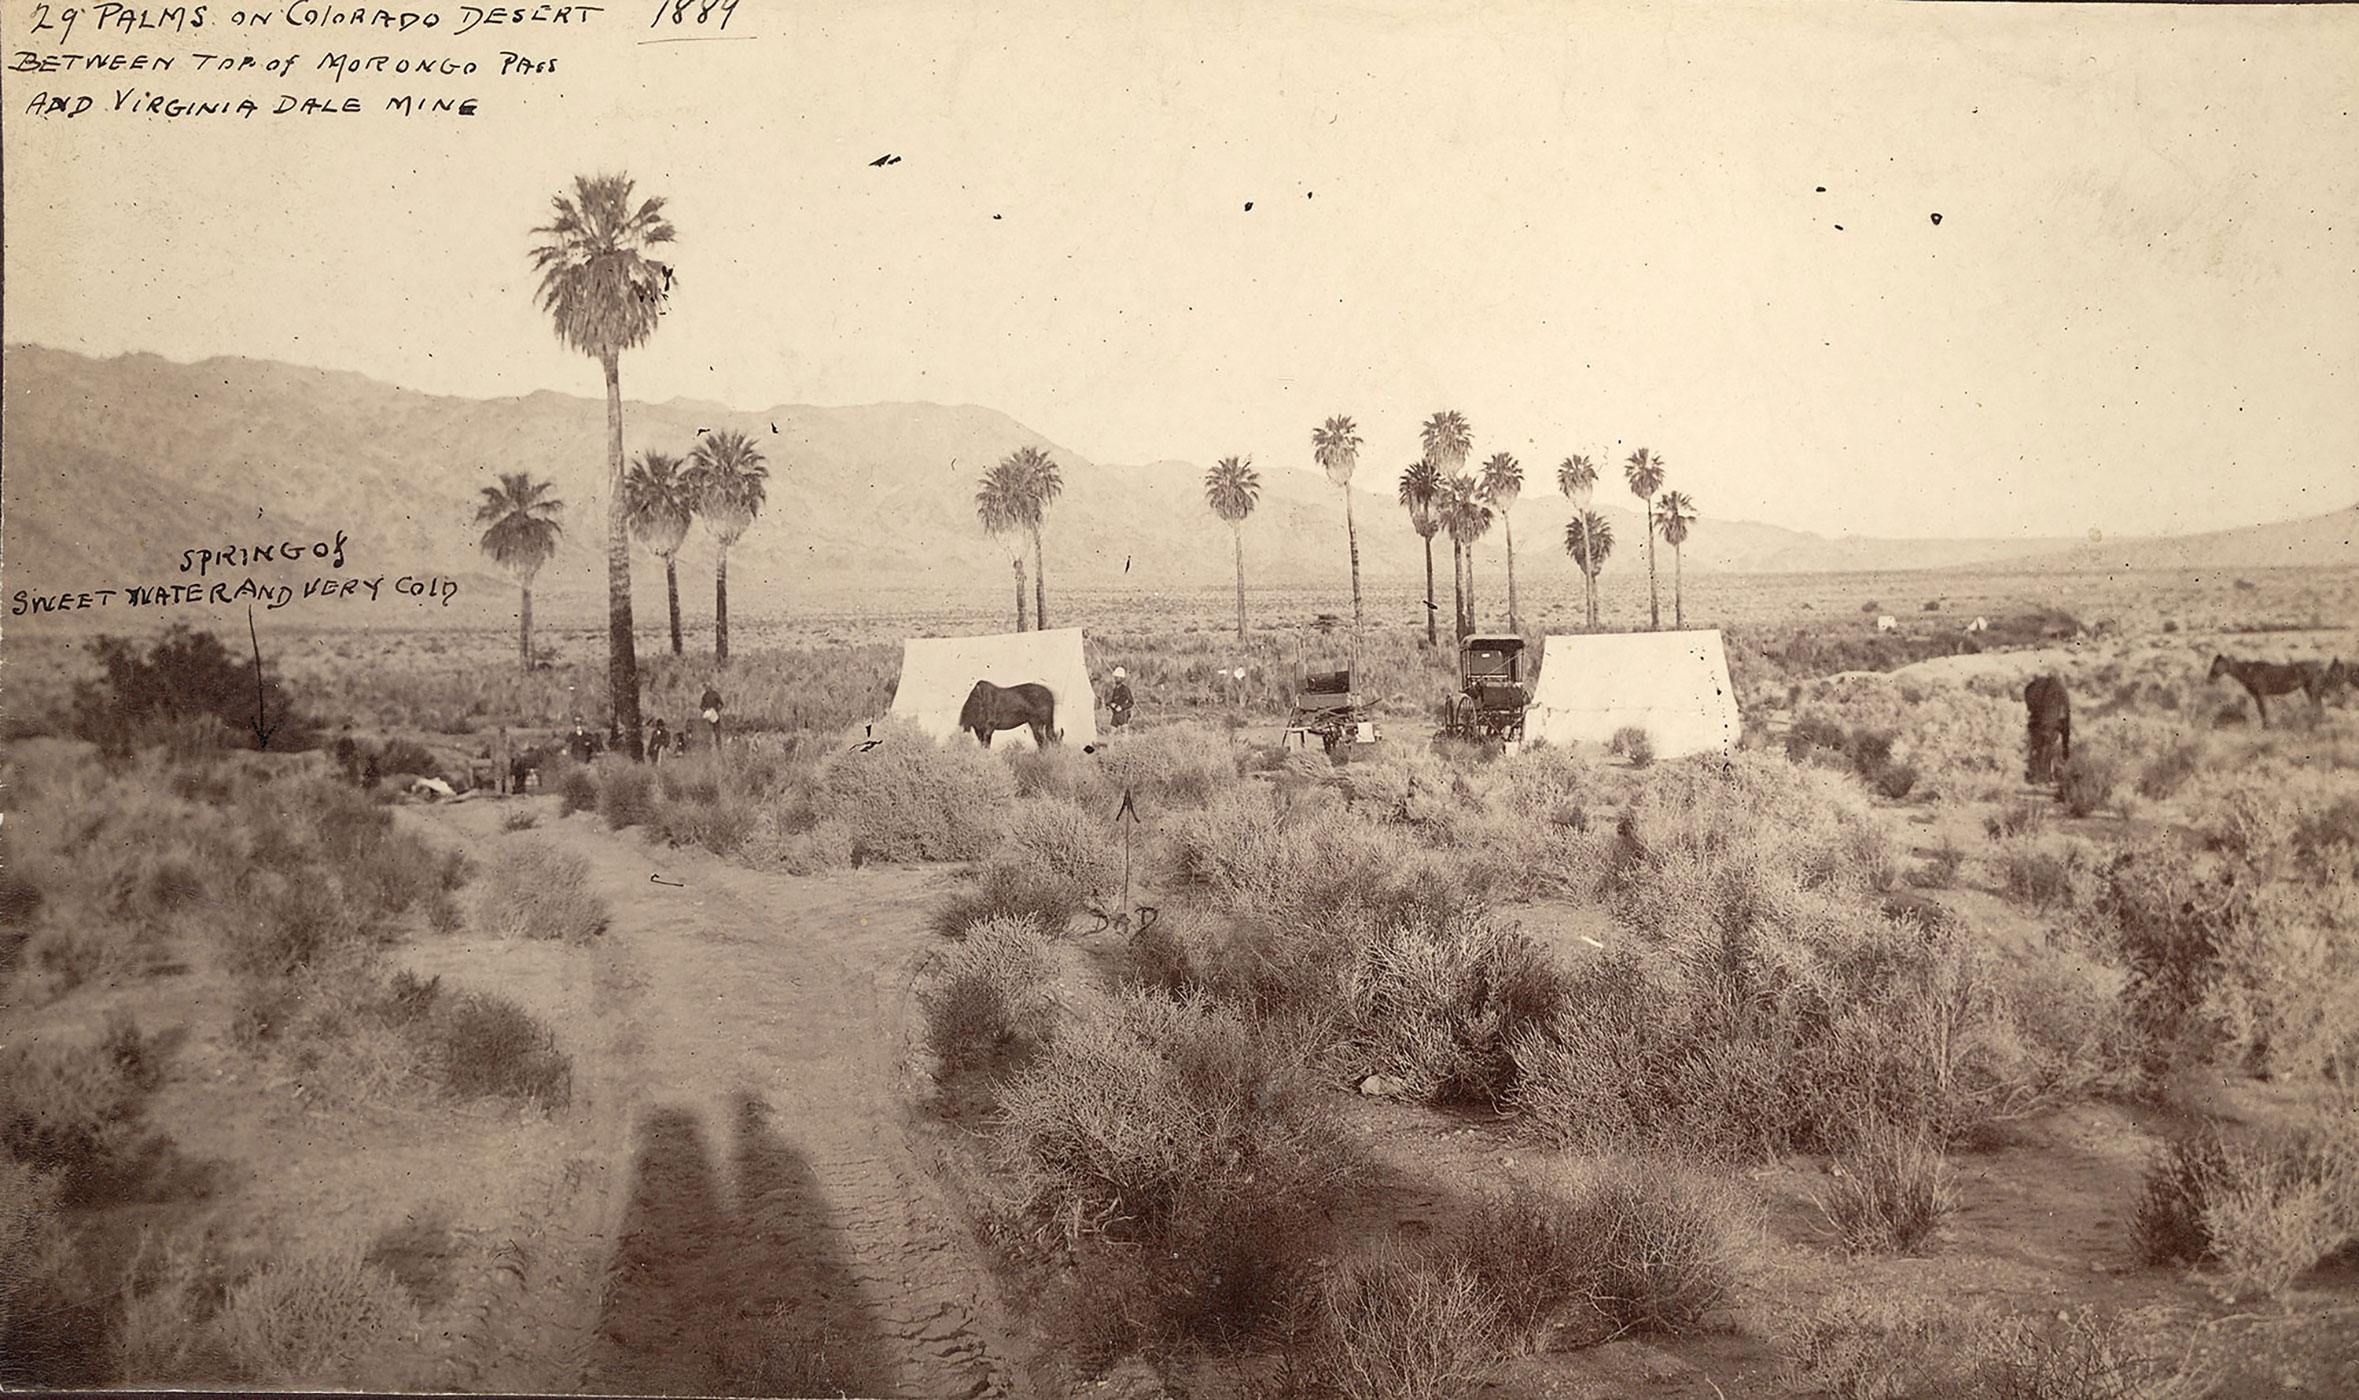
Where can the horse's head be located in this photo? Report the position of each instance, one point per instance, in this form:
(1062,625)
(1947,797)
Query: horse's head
(2221,666)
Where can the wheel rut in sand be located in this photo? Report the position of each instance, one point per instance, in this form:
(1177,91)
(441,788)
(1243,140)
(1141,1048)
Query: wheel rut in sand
(772,1228)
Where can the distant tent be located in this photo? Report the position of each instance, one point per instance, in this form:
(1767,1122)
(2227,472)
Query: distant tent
(937,673)
(1673,685)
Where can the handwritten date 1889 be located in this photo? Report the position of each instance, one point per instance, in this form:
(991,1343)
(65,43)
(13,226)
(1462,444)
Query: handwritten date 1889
(696,12)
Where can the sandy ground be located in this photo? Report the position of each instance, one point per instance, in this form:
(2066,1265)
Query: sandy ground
(760,1219)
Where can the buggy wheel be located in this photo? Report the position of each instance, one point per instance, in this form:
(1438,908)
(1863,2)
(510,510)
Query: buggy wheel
(1465,718)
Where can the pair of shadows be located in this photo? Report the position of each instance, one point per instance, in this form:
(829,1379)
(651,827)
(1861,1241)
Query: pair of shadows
(751,1295)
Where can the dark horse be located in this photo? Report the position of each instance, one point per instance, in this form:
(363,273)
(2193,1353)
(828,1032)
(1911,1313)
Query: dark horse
(2265,678)
(2050,737)
(991,708)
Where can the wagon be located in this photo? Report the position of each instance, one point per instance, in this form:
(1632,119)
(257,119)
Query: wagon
(1489,705)
(1329,709)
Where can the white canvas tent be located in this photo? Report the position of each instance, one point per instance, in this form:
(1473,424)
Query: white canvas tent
(937,673)
(1673,685)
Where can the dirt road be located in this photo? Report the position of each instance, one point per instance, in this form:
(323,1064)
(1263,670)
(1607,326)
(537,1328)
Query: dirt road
(751,1213)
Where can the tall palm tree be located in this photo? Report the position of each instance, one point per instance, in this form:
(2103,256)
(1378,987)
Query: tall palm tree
(1577,479)
(605,294)
(1336,445)
(1589,538)
(523,535)
(1503,484)
(1421,492)
(726,477)
(1678,512)
(1035,481)
(1644,472)
(660,507)
(1232,488)
(999,503)
(1467,519)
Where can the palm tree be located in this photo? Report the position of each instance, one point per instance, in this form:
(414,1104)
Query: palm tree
(605,295)
(1677,514)
(999,502)
(1034,480)
(1503,484)
(726,477)
(1232,488)
(1644,472)
(1336,445)
(1577,479)
(660,507)
(1421,492)
(1467,519)
(1589,538)
(523,535)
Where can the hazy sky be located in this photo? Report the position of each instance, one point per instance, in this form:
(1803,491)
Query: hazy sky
(1585,226)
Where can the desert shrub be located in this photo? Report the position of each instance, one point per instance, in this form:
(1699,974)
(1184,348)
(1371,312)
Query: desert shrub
(1890,1194)
(1634,744)
(822,847)
(2168,770)
(1661,1243)
(2264,1210)
(185,689)
(295,923)
(986,1002)
(532,889)
(722,825)
(1060,846)
(910,798)
(577,790)
(482,1046)
(2038,876)
(38,1284)
(1531,1254)
(2070,1354)
(1061,771)
(1172,766)
(1394,1325)
(625,793)
(519,819)
(405,756)
(2087,783)
(77,1113)
(1436,1004)
(1189,1157)
(1858,1346)
(1325,872)
(1895,780)
(2018,819)
(309,1319)
(1940,870)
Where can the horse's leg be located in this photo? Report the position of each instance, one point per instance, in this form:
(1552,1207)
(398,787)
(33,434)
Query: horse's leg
(2261,703)
(985,736)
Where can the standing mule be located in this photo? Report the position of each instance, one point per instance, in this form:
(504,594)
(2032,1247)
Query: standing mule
(991,708)
(2265,678)
(2049,739)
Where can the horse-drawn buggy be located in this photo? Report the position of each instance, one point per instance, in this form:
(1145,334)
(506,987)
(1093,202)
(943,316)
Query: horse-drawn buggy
(1489,705)
(1329,709)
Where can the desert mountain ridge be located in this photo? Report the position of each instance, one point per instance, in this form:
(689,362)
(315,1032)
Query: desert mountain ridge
(116,466)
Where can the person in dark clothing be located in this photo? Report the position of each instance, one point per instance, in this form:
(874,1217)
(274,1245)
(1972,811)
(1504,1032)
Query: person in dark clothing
(1118,699)
(710,708)
(581,742)
(659,739)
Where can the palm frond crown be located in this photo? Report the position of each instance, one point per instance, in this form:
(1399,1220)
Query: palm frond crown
(1596,543)
(658,501)
(1503,480)
(1447,439)
(727,480)
(1336,445)
(522,517)
(1232,488)
(1421,492)
(1677,512)
(602,291)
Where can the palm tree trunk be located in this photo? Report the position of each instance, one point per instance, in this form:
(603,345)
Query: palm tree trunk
(1351,532)
(1513,624)
(1588,573)
(524,628)
(1039,583)
(1430,609)
(1019,567)
(1678,588)
(1239,532)
(622,658)
(671,590)
(1471,629)
(1654,595)
(721,607)
(1457,589)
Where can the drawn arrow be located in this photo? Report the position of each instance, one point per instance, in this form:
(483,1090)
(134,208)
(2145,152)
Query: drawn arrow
(1127,809)
(655,879)
(262,732)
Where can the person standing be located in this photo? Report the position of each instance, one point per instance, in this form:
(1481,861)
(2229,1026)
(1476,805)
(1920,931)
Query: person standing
(710,708)
(582,743)
(1118,699)
(659,738)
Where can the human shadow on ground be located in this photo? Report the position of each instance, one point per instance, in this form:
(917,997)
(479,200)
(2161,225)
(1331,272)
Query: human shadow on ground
(746,1295)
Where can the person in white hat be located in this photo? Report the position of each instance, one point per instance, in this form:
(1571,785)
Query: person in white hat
(1118,699)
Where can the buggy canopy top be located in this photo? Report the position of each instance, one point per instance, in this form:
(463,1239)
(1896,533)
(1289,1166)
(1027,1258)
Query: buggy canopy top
(1673,685)
(937,673)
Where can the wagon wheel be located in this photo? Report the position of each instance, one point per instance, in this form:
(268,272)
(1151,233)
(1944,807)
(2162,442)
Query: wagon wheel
(1465,718)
